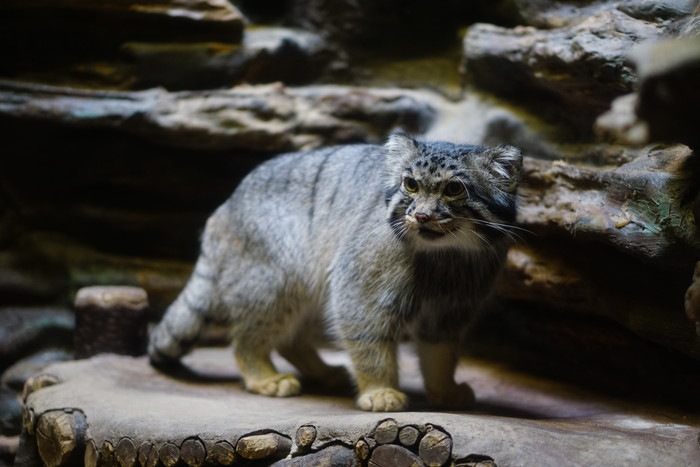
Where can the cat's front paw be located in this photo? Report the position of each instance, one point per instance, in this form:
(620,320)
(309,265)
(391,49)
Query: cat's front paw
(382,400)
(276,386)
(458,396)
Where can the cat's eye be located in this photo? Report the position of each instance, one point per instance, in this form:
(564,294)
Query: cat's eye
(454,188)
(410,184)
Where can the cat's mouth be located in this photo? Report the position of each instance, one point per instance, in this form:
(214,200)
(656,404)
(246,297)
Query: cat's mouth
(430,234)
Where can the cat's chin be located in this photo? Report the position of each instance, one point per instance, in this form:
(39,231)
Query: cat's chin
(429,234)
(431,240)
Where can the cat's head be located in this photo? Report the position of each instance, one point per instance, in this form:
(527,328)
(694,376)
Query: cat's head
(444,195)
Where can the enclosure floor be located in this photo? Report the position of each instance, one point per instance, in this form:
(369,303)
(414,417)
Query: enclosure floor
(518,419)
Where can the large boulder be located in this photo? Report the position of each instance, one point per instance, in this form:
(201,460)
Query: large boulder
(571,73)
(41,35)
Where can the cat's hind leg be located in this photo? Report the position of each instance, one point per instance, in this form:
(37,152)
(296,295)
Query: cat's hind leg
(438,362)
(259,374)
(265,311)
(301,353)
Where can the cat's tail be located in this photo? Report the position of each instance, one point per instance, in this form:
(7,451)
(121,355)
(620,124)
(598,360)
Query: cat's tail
(183,322)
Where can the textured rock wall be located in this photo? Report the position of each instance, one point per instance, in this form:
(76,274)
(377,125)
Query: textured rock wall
(127,123)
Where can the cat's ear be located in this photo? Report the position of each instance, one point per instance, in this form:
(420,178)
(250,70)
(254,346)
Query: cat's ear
(401,150)
(504,163)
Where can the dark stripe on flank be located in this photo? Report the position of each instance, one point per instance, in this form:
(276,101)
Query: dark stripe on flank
(359,163)
(317,178)
(335,193)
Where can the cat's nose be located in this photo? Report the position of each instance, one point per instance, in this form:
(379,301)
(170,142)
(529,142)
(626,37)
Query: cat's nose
(421,217)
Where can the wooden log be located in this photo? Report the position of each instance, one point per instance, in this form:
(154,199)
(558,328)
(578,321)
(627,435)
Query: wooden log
(305,437)
(37,382)
(222,453)
(435,447)
(60,437)
(110,319)
(391,455)
(107,457)
(193,452)
(148,455)
(169,454)
(92,454)
(409,435)
(28,420)
(364,447)
(268,446)
(386,432)
(126,453)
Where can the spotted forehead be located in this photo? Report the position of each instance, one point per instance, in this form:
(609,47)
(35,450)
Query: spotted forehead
(435,167)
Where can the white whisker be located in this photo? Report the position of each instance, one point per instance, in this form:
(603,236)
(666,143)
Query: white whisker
(507,229)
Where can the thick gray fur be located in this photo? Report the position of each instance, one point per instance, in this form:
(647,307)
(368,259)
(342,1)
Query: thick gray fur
(372,239)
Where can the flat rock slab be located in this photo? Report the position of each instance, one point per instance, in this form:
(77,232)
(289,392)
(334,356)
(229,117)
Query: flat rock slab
(112,408)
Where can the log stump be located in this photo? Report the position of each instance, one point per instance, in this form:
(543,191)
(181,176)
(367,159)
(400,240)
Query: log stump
(110,319)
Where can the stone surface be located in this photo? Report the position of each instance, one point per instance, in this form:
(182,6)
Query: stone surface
(563,425)
(581,67)
(392,455)
(669,73)
(10,412)
(331,456)
(266,54)
(572,310)
(381,26)
(621,124)
(24,331)
(638,207)
(16,375)
(8,449)
(635,218)
(651,10)
(662,110)
(266,118)
(33,32)
(551,14)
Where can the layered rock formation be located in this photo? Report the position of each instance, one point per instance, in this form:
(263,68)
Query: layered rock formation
(127,123)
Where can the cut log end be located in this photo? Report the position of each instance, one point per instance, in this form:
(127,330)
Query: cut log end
(268,446)
(305,437)
(435,448)
(60,437)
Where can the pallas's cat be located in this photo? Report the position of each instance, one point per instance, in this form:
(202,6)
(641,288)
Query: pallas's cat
(383,243)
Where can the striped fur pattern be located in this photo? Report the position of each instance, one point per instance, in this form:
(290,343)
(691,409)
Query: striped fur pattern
(381,242)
